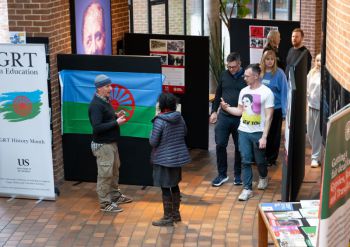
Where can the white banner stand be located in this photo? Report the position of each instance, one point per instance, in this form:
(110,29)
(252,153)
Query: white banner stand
(26,169)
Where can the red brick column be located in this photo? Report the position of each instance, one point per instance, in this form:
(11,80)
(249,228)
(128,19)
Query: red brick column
(337,44)
(311,23)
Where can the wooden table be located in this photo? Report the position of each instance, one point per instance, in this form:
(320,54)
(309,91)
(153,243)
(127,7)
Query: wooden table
(264,228)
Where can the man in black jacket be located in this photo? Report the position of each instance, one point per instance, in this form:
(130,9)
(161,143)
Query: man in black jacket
(295,51)
(105,127)
(231,83)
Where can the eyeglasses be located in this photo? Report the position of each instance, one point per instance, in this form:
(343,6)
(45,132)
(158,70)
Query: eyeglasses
(232,67)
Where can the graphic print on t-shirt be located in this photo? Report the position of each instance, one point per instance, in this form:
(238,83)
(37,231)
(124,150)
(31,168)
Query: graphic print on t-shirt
(251,109)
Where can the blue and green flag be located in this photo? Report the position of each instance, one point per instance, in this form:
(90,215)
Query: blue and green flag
(135,93)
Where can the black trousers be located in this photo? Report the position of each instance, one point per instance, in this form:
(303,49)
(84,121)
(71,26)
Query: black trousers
(274,137)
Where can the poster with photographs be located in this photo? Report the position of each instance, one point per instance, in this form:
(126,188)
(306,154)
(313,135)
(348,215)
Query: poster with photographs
(257,41)
(172,54)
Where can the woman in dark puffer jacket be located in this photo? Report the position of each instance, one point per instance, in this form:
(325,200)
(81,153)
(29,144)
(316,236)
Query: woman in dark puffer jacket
(169,154)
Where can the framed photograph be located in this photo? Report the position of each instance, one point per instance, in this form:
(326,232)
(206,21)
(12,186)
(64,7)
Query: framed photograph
(92,20)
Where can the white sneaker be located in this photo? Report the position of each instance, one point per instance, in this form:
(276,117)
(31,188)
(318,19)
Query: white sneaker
(314,163)
(245,195)
(263,183)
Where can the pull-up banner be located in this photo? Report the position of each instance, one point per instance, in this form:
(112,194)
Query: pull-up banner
(334,226)
(25,138)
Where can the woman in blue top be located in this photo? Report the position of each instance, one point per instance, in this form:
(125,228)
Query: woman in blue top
(275,79)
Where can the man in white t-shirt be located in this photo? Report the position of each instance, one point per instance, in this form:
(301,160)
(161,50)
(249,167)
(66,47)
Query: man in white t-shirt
(255,105)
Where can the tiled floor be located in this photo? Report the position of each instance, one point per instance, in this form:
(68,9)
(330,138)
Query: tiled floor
(211,216)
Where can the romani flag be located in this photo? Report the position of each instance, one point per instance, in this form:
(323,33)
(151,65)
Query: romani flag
(20,106)
(135,93)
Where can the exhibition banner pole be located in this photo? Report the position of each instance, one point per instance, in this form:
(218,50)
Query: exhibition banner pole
(26,168)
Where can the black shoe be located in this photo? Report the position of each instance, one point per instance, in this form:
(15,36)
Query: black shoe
(237,181)
(219,180)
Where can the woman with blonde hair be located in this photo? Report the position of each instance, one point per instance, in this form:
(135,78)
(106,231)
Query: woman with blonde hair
(274,78)
(273,42)
(313,115)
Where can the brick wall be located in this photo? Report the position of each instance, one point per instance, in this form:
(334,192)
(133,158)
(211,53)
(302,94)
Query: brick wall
(4,24)
(120,21)
(337,44)
(51,18)
(311,17)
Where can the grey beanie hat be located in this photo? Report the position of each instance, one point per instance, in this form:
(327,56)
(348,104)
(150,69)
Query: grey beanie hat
(102,80)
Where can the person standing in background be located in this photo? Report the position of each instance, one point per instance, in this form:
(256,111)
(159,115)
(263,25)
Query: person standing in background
(169,154)
(313,114)
(230,84)
(273,42)
(295,51)
(275,79)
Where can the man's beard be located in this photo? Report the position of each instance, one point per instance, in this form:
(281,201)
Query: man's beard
(296,44)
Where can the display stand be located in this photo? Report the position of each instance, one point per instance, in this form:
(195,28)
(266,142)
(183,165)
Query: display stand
(194,102)
(79,163)
(239,33)
(289,224)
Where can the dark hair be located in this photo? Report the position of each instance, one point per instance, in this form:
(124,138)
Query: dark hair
(299,30)
(167,101)
(255,68)
(233,56)
(249,96)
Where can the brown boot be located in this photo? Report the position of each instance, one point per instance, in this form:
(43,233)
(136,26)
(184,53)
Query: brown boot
(167,219)
(176,206)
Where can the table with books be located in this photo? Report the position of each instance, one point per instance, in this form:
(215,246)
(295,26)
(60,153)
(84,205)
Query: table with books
(289,223)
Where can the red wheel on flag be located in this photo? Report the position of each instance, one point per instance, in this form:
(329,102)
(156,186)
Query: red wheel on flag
(22,106)
(122,99)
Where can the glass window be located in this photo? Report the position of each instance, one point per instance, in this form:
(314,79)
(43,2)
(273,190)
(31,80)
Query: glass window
(194,17)
(296,10)
(264,9)
(140,18)
(176,14)
(282,9)
(250,6)
(158,18)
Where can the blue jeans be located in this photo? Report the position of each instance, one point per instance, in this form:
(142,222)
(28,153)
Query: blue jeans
(250,151)
(226,126)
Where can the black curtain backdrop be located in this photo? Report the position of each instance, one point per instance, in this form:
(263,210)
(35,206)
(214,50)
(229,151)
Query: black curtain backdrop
(239,32)
(79,163)
(194,102)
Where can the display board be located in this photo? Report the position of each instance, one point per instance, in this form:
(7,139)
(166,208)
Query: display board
(26,168)
(194,101)
(293,170)
(240,40)
(134,150)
